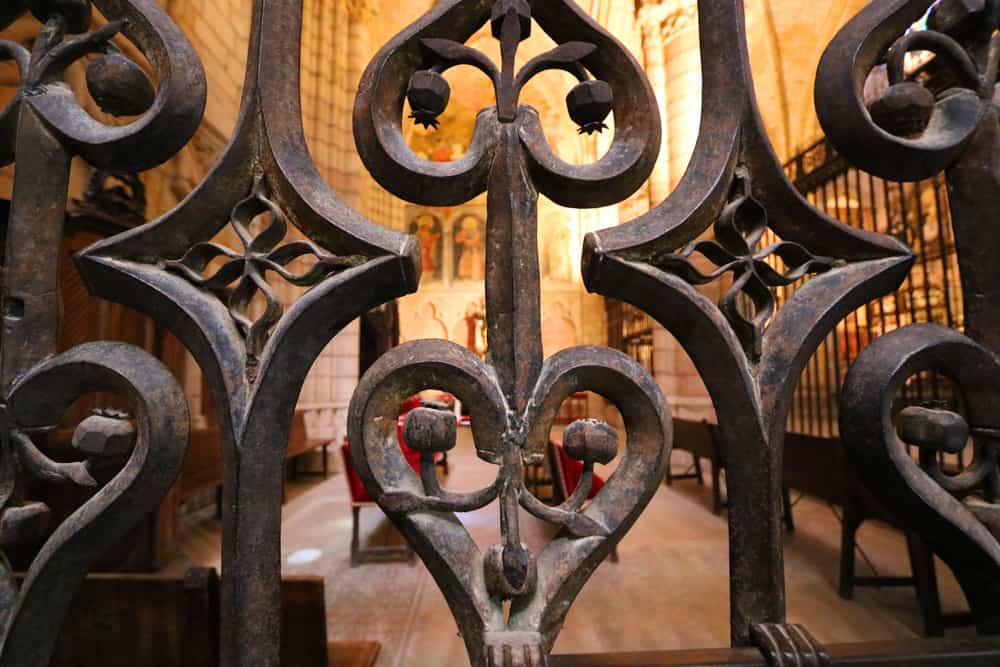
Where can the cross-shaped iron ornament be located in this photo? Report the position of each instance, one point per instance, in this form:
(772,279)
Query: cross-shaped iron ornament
(514,397)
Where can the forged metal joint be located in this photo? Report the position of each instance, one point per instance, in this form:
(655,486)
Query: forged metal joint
(788,646)
(500,10)
(955,15)
(105,433)
(511,571)
(75,12)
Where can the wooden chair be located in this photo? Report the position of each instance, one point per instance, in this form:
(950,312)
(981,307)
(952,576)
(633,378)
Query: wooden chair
(359,500)
(693,438)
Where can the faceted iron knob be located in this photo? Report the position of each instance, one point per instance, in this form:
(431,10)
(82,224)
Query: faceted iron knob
(427,430)
(930,428)
(105,433)
(119,86)
(589,104)
(75,12)
(511,571)
(428,95)
(904,109)
(591,441)
(499,13)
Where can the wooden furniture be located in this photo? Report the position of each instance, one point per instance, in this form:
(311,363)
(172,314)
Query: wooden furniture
(819,467)
(695,439)
(174,621)
(360,500)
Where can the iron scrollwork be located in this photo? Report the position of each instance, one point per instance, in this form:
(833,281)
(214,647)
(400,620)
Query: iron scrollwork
(749,354)
(256,362)
(42,128)
(514,397)
(911,133)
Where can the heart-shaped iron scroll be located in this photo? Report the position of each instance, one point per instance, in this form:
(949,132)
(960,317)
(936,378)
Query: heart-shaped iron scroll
(956,513)
(514,397)
(542,588)
(30,623)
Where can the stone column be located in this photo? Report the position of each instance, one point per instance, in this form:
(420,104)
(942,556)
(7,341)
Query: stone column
(672,55)
(682,72)
(650,18)
(361,14)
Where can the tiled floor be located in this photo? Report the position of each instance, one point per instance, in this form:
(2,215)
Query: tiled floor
(669,590)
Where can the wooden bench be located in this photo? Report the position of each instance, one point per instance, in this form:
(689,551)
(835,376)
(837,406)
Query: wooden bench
(819,467)
(202,469)
(174,621)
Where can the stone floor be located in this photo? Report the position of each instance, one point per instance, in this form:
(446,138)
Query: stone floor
(669,590)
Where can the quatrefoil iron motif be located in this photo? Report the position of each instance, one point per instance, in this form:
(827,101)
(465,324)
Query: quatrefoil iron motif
(514,396)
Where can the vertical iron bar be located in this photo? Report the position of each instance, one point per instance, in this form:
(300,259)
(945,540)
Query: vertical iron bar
(34,237)
(513,304)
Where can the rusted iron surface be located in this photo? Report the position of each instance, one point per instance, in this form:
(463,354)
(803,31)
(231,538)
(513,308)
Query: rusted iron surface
(509,602)
(514,397)
(909,133)
(42,129)
(750,359)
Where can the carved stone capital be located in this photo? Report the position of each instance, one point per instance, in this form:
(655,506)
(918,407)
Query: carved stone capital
(665,19)
(359,10)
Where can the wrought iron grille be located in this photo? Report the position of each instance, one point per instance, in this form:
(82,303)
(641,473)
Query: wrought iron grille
(630,331)
(750,348)
(915,213)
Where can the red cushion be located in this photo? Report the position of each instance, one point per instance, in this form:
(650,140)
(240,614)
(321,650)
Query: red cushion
(358,492)
(354,484)
(573,471)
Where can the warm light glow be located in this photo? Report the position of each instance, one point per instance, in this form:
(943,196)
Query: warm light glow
(305,556)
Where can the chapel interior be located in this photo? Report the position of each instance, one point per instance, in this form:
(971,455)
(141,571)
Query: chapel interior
(353,582)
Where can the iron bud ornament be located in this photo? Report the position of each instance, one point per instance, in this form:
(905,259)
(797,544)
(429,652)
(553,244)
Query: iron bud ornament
(589,104)
(119,86)
(428,95)
(509,598)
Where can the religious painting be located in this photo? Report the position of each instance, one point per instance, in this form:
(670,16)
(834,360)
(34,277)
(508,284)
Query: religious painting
(427,229)
(470,329)
(554,250)
(470,253)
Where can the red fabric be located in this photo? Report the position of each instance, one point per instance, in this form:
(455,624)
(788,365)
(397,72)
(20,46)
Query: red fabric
(354,484)
(573,471)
